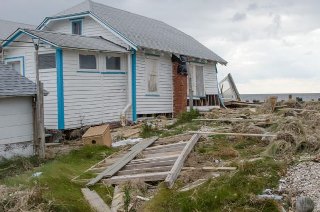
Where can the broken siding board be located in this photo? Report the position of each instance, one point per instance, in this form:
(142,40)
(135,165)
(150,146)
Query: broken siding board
(143,177)
(95,201)
(164,146)
(149,165)
(134,151)
(174,172)
(146,160)
(152,155)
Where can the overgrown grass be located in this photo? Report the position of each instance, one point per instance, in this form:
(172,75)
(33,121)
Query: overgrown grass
(226,193)
(56,178)
(186,117)
(17,165)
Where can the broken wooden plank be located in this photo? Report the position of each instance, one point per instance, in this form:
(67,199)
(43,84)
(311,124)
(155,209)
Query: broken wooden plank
(144,160)
(235,134)
(145,170)
(193,185)
(95,201)
(211,168)
(149,164)
(143,177)
(174,172)
(117,200)
(114,168)
(233,120)
(166,146)
(161,154)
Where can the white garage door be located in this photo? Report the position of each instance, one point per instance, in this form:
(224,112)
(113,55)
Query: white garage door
(16,123)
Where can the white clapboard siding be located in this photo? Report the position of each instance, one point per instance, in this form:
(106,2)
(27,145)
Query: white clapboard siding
(147,104)
(89,28)
(16,120)
(91,98)
(47,76)
(210,79)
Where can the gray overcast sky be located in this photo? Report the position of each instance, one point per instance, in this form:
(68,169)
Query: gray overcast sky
(271,46)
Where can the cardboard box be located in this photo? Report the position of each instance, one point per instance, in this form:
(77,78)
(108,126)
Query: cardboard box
(99,135)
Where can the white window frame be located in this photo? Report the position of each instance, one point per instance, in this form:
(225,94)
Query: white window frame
(114,55)
(86,69)
(157,61)
(15,59)
(81,26)
(194,79)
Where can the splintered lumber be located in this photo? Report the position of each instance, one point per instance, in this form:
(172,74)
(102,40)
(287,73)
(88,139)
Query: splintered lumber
(117,201)
(95,201)
(156,176)
(235,134)
(193,185)
(114,168)
(145,170)
(177,166)
(233,120)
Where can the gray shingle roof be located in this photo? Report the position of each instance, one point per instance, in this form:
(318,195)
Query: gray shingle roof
(146,32)
(8,27)
(13,84)
(77,41)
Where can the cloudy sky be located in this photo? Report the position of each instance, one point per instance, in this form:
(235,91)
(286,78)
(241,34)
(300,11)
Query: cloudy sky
(270,46)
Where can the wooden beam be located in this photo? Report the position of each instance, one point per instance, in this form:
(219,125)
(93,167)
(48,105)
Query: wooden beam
(211,168)
(235,134)
(157,176)
(117,200)
(149,164)
(144,160)
(145,170)
(233,120)
(114,168)
(174,172)
(166,146)
(95,201)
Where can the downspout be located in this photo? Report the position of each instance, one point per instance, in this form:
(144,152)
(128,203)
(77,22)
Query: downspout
(219,94)
(123,117)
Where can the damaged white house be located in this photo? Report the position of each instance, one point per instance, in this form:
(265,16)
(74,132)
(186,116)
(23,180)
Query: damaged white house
(100,63)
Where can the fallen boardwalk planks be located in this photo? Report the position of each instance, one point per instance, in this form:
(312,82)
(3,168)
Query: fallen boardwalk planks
(156,176)
(95,201)
(235,134)
(233,120)
(176,168)
(114,168)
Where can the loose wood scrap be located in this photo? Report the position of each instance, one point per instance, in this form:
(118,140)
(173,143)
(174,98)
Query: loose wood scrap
(234,120)
(117,201)
(235,134)
(174,172)
(211,168)
(114,168)
(95,201)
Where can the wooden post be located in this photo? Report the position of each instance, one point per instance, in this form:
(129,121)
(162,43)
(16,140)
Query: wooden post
(39,108)
(190,86)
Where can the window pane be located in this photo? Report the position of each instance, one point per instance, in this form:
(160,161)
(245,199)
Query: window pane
(152,71)
(113,63)
(76,27)
(47,61)
(87,61)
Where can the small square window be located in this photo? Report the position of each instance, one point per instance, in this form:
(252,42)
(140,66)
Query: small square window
(47,61)
(87,61)
(77,27)
(113,63)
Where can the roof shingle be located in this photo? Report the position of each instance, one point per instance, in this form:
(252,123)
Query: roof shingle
(146,32)
(13,84)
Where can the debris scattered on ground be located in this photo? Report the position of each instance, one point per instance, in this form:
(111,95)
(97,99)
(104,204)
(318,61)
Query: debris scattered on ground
(126,142)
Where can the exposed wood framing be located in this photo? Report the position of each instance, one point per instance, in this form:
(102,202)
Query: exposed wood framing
(95,201)
(114,168)
(174,172)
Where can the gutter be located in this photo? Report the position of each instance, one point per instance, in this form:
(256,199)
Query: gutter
(123,116)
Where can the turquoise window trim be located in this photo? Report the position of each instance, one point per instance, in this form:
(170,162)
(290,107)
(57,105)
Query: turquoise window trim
(60,88)
(17,58)
(134,85)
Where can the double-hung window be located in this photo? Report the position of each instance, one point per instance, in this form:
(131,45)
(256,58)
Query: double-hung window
(113,63)
(87,61)
(152,66)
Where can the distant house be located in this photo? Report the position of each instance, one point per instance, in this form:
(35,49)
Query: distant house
(16,113)
(101,64)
